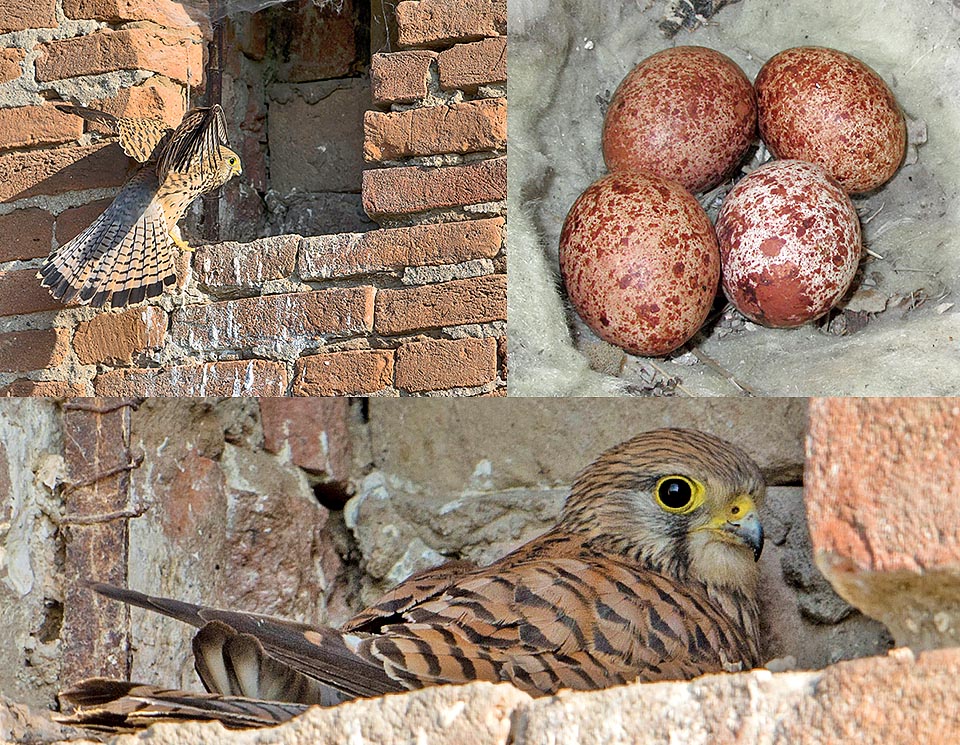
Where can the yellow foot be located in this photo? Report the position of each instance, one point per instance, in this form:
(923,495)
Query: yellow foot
(181,243)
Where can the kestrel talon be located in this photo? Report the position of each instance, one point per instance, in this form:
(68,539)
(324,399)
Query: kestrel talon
(127,254)
(650,574)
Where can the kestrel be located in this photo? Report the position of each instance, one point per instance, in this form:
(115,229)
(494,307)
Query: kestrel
(650,574)
(127,254)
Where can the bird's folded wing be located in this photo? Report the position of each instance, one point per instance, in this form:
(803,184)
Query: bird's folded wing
(139,136)
(195,145)
(416,589)
(114,705)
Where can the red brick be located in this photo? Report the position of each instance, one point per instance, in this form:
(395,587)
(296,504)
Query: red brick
(17,15)
(10,64)
(400,191)
(157,98)
(29,126)
(354,373)
(880,488)
(245,266)
(52,172)
(25,234)
(231,378)
(349,254)
(870,701)
(170,53)
(439,364)
(476,300)
(315,43)
(23,387)
(71,222)
(167,13)
(468,66)
(400,77)
(433,23)
(274,319)
(22,351)
(317,432)
(115,338)
(468,127)
(21,293)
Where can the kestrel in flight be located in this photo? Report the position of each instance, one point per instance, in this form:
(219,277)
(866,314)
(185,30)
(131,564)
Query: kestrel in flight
(650,574)
(127,254)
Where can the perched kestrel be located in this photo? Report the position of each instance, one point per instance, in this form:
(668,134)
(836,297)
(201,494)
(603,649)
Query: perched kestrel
(127,254)
(650,574)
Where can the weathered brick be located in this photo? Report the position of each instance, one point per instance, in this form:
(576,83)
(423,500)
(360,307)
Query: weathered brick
(349,254)
(25,234)
(10,64)
(401,191)
(438,364)
(890,555)
(400,77)
(275,319)
(433,23)
(114,338)
(16,15)
(468,66)
(23,387)
(29,126)
(468,127)
(72,221)
(317,43)
(157,98)
(52,172)
(475,300)
(231,378)
(163,12)
(21,293)
(245,266)
(353,373)
(174,54)
(22,351)
(316,430)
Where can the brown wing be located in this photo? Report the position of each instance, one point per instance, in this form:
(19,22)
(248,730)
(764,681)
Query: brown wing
(195,145)
(139,136)
(414,590)
(113,705)
(557,623)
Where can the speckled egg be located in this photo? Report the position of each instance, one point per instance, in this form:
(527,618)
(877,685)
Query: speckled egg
(640,261)
(789,243)
(829,108)
(686,113)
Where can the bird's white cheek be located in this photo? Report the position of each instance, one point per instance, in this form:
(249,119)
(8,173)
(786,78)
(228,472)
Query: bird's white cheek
(718,562)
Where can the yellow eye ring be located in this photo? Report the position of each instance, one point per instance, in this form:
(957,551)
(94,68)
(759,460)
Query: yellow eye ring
(678,494)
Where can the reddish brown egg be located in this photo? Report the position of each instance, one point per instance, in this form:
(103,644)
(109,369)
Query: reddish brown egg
(640,261)
(789,243)
(829,108)
(687,113)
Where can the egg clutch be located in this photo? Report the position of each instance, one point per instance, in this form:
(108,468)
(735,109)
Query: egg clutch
(639,256)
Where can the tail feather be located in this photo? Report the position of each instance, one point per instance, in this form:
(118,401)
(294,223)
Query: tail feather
(126,252)
(113,705)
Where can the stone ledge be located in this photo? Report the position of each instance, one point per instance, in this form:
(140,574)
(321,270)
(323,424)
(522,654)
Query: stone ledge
(871,700)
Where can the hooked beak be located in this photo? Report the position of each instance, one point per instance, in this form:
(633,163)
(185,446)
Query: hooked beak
(747,528)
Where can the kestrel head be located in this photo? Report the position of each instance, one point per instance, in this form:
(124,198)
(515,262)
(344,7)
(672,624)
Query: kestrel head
(229,164)
(679,501)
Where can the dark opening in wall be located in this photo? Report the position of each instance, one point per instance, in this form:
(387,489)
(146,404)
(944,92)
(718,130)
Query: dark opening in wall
(295,85)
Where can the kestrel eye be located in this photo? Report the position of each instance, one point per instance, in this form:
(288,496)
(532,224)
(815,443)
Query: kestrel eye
(678,494)
(233,161)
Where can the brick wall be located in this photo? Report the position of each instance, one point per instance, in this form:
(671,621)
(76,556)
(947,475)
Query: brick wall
(415,307)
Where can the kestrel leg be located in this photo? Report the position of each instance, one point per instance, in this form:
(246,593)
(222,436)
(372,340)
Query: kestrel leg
(179,239)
